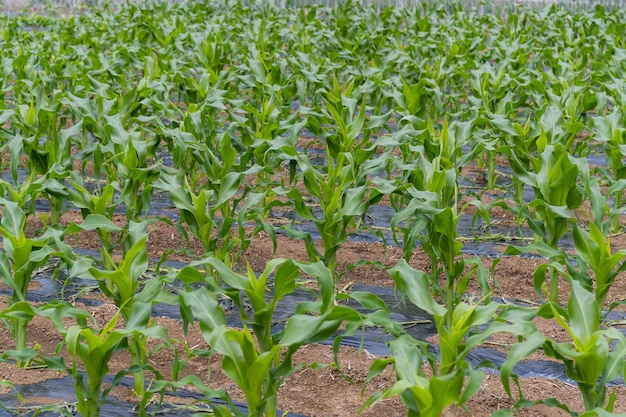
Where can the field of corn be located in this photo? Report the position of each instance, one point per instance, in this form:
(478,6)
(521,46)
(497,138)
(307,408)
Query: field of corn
(149,149)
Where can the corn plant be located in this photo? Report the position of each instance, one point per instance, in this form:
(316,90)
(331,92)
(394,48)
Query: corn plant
(430,167)
(195,146)
(592,246)
(211,213)
(342,205)
(453,380)
(341,186)
(430,214)
(47,146)
(55,311)
(611,134)
(21,257)
(259,151)
(423,396)
(121,284)
(23,193)
(594,252)
(268,113)
(97,208)
(557,193)
(94,348)
(129,169)
(595,356)
(89,110)
(255,358)
(34,187)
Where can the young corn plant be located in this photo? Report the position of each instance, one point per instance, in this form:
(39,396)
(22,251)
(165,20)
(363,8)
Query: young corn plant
(211,213)
(21,257)
(94,348)
(89,110)
(594,253)
(611,133)
(53,310)
(431,216)
(432,159)
(592,246)
(556,195)
(342,205)
(267,114)
(499,136)
(47,146)
(257,358)
(196,146)
(97,208)
(453,381)
(22,193)
(128,166)
(497,97)
(341,186)
(595,355)
(121,283)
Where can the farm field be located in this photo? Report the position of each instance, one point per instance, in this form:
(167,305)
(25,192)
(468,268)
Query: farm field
(231,208)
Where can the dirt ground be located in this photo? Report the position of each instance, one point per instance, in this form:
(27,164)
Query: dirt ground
(322,392)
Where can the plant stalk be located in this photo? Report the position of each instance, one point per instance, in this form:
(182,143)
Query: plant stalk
(56,210)
(590,396)
(491,170)
(19,331)
(137,356)
(617,204)
(554,286)
(449,299)
(271,403)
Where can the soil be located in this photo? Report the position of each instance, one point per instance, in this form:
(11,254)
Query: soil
(321,391)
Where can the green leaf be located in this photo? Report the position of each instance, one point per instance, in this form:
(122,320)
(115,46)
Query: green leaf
(229,186)
(584,319)
(239,356)
(204,307)
(353,204)
(302,329)
(324,279)
(369,300)
(98,221)
(13,220)
(518,352)
(5,270)
(414,284)
(285,279)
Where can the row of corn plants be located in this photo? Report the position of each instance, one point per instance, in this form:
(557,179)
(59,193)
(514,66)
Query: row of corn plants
(230,113)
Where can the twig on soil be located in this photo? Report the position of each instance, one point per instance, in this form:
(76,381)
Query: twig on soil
(173,408)
(498,237)
(521,300)
(51,266)
(346,287)
(409,324)
(84,291)
(36,409)
(499,344)
(611,323)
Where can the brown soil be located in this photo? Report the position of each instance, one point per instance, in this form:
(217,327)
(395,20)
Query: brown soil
(322,392)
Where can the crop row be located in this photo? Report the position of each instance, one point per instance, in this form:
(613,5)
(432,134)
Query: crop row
(237,111)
